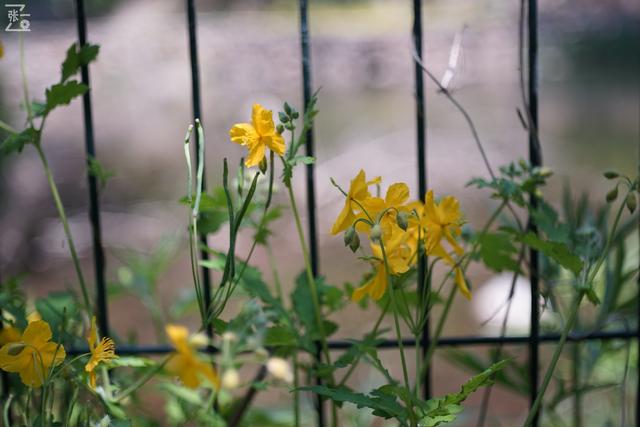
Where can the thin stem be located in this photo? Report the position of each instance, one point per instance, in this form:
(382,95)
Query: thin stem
(296,394)
(439,328)
(554,359)
(25,84)
(141,381)
(396,322)
(65,225)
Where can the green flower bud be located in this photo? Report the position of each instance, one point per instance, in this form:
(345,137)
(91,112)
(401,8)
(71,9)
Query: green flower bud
(612,195)
(376,233)
(287,108)
(632,202)
(402,218)
(352,239)
(611,174)
(545,172)
(280,129)
(295,114)
(284,118)
(263,165)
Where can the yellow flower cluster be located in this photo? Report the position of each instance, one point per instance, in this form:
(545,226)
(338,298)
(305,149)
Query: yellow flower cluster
(401,225)
(32,354)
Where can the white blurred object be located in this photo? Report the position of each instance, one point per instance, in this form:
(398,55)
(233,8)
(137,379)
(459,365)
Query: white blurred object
(490,301)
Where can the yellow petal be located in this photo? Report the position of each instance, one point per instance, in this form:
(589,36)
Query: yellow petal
(255,156)
(462,284)
(244,134)
(52,354)
(9,334)
(397,194)
(11,361)
(344,220)
(37,333)
(276,143)
(262,120)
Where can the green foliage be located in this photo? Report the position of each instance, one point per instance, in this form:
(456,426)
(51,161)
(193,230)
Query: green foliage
(63,93)
(445,409)
(497,251)
(99,172)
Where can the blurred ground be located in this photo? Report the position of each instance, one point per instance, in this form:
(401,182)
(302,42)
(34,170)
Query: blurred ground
(361,57)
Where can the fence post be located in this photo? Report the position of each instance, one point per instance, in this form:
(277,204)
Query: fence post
(197,114)
(535,158)
(94,202)
(310,184)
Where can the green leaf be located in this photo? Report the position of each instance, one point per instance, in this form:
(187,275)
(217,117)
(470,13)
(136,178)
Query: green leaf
(63,93)
(383,405)
(99,172)
(557,251)
(444,409)
(16,142)
(78,58)
(131,362)
(280,336)
(497,251)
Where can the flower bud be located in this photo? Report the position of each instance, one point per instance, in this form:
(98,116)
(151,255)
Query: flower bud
(280,369)
(631,202)
(230,379)
(284,118)
(376,233)
(612,195)
(352,239)
(403,220)
(229,337)
(287,108)
(280,129)
(611,174)
(295,114)
(263,165)
(199,340)
(545,172)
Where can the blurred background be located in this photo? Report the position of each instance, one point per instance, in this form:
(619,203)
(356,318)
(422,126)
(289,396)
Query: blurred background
(362,59)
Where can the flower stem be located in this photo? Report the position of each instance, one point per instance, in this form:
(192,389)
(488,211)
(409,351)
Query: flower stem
(65,225)
(556,356)
(314,293)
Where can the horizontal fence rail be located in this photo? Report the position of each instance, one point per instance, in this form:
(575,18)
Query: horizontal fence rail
(533,340)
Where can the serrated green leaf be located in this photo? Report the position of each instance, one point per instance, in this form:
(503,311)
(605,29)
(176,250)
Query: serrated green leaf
(63,93)
(382,404)
(77,58)
(280,336)
(497,251)
(557,251)
(16,142)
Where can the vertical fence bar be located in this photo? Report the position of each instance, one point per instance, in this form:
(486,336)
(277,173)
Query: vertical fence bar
(422,165)
(310,184)
(94,202)
(535,158)
(638,326)
(197,114)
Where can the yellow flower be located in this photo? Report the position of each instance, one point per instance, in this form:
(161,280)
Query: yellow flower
(400,256)
(33,355)
(441,220)
(103,351)
(9,334)
(393,202)
(185,363)
(358,193)
(33,316)
(258,135)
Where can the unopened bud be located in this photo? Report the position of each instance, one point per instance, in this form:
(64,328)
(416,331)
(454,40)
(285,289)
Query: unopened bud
(263,165)
(230,379)
(284,118)
(287,108)
(352,239)
(199,340)
(403,220)
(612,195)
(280,369)
(632,202)
(376,233)
(611,174)
(280,129)
(545,172)
(229,337)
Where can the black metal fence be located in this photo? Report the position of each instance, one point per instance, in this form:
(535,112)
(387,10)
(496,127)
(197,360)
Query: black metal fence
(533,340)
